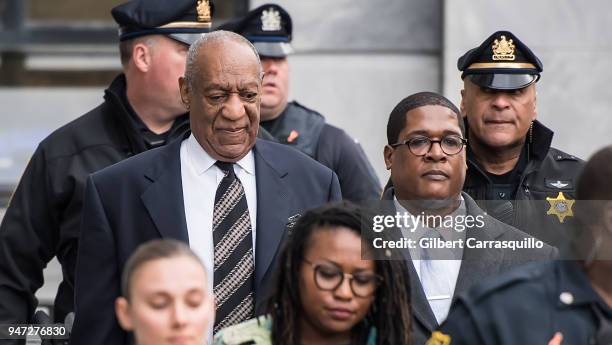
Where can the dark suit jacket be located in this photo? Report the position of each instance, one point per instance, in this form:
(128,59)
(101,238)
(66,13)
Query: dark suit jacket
(141,199)
(476,265)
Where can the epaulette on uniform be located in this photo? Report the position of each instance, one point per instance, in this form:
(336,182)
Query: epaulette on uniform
(559,155)
(296,103)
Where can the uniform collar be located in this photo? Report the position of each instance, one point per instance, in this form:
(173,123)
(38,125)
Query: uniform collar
(130,124)
(271,125)
(120,114)
(539,141)
(542,139)
(538,147)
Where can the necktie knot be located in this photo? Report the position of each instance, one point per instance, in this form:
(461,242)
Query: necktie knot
(226,167)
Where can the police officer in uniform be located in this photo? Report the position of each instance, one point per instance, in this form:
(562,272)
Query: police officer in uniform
(269,28)
(532,304)
(511,164)
(142,109)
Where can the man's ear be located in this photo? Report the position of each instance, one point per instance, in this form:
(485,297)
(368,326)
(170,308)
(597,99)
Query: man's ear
(123,314)
(388,154)
(141,56)
(185,91)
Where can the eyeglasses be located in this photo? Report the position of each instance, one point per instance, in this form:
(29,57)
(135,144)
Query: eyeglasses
(329,278)
(420,145)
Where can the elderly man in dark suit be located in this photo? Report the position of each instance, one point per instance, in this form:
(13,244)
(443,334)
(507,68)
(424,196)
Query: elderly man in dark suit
(141,110)
(427,160)
(229,195)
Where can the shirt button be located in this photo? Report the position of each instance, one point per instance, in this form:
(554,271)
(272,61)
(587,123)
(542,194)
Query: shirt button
(566,298)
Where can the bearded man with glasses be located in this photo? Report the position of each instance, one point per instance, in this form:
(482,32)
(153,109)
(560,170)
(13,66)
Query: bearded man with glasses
(427,159)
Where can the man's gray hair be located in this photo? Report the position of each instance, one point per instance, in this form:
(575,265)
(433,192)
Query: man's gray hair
(192,69)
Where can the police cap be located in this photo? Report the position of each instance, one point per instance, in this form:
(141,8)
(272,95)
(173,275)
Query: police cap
(182,20)
(268,27)
(501,62)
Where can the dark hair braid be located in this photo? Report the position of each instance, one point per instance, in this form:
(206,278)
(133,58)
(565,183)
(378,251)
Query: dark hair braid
(390,311)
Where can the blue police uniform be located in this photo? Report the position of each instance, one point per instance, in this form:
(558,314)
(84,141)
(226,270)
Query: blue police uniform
(330,146)
(528,306)
(269,28)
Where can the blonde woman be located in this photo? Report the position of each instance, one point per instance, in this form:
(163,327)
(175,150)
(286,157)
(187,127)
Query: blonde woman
(165,298)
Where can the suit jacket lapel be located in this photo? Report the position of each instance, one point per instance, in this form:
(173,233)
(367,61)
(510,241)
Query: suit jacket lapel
(478,264)
(273,207)
(163,199)
(420,306)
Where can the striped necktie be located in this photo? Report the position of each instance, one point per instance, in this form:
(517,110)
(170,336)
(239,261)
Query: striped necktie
(233,259)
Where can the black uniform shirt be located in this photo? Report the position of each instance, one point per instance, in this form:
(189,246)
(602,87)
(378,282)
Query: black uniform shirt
(43,217)
(151,139)
(546,173)
(503,187)
(307,131)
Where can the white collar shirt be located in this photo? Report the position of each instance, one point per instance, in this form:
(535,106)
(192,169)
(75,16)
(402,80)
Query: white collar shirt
(452,265)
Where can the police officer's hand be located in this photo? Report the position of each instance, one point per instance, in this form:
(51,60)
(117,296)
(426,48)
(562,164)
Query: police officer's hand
(556,339)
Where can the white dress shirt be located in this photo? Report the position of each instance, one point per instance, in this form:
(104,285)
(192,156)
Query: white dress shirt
(200,177)
(452,267)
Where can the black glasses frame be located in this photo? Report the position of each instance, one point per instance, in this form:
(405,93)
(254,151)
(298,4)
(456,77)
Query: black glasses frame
(377,281)
(431,142)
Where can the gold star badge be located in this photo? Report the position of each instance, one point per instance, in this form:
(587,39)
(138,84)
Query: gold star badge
(439,338)
(560,207)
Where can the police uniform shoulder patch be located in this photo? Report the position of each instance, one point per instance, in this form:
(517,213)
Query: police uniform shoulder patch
(560,206)
(439,338)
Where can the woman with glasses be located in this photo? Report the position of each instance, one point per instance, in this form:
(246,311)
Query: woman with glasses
(165,298)
(325,293)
